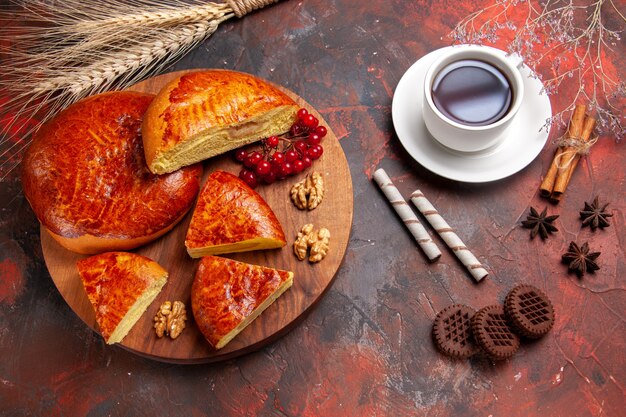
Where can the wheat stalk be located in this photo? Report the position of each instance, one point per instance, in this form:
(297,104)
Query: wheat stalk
(83,47)
(101,75)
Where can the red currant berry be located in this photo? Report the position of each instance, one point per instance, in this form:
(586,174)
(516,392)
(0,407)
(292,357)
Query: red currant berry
(277,158)
(301,147)
(314,139)
(243,173)
(306,161)
(310,121)
(315,151)
(253,159)
(296,129)
(321,130)
(240,155)
(263,168)
(291,155)
(272,141)
(301,113)
(285,169)
(276,168)
(298,166)
(256,156)
(269,178)
(248,163)
(250,179)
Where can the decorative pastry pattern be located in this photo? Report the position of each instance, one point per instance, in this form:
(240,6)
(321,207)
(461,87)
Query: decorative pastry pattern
(529,310)
(452,331)
(493,333)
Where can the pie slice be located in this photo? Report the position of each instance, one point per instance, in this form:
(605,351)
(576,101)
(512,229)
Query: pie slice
(227,295)
(205,113)
(120,287)
(231,217)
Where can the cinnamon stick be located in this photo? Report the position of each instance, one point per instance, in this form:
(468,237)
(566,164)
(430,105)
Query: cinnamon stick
(545,189)
(565,175)
(574,130)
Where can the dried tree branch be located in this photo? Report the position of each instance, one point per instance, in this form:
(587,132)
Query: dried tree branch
(561,40)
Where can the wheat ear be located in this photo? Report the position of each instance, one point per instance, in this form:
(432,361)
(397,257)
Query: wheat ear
(86,47)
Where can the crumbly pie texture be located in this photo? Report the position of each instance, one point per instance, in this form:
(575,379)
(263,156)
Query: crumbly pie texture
(206,113)
(452,332)
(120,286)
(530,311)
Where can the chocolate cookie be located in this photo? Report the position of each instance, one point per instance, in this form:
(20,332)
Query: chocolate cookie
(529,310)
(493,334)
(452,331)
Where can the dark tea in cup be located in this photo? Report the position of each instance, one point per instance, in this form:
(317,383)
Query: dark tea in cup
(471,95)
(472,92)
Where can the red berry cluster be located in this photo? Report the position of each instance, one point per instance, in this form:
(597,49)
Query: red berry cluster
(284,155)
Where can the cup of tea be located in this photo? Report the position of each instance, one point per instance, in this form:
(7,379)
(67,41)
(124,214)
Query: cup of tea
(471,96)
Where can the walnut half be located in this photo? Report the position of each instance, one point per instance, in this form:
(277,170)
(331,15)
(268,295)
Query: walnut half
(301,245)
(316,240)
(170,319)
(320,247)
(308,193)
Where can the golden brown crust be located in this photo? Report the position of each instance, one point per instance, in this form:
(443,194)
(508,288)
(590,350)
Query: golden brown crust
(228,212)
(86,179)
(226,292)
(206,101)
(89,244)
(114,281)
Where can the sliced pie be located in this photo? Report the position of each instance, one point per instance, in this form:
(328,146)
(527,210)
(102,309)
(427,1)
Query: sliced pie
(120,287)
(231,217)
(86,178)
(227,295)
(201,114)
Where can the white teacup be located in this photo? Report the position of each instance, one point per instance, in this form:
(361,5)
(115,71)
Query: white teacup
(467,137)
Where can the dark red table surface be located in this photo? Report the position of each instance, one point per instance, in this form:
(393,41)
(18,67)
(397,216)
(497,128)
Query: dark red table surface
(365,349)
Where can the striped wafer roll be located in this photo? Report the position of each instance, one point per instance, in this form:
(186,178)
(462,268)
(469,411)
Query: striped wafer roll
(449,236)
(406,214)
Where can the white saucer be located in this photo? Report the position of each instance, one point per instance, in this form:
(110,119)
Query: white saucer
(526,140)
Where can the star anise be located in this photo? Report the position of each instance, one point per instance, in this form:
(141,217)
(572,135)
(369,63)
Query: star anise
(579,260)
(594,215)
(540,223)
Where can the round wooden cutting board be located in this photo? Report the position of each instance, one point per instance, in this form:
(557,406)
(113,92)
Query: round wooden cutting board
(310,280)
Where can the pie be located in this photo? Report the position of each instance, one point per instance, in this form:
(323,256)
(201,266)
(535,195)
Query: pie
(227,295)
(120,287)
(231,217)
